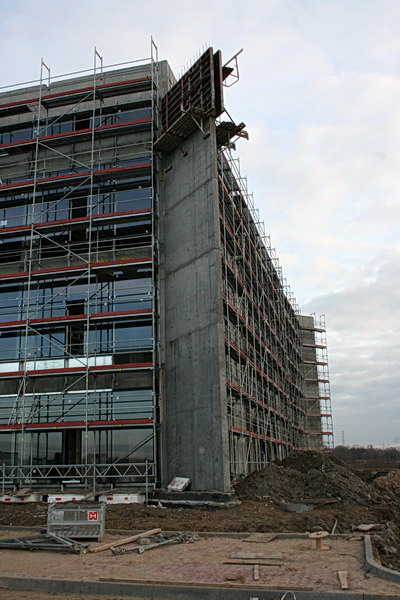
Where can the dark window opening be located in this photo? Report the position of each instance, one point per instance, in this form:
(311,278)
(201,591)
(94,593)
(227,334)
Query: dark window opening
(82,123)
(72,447)
(78,240)
(78,207)
(76,331)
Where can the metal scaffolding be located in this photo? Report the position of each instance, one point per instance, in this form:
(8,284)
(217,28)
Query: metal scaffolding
(78,264)
(317,383)
(266,408)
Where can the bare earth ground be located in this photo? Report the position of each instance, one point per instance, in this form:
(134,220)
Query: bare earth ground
(251,515)
(341,495)
(204,561)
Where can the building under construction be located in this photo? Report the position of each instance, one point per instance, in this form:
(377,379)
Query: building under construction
(146,330)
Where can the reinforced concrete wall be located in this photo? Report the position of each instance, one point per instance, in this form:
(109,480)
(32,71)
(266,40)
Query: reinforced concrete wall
(194,421)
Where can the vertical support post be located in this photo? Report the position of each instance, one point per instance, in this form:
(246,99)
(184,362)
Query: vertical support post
(21,399)
(154,245)
(96,57)
(146,497)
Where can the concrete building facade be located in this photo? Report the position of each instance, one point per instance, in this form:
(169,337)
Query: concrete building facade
(146,331)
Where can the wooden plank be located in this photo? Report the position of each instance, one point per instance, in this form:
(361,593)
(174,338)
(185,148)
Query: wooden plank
(124,541)
(256,573)
(344,583)
(264,538)
(22,493)
(255,561)
(263,555)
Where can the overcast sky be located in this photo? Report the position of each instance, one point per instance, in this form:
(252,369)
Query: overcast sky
(319,92)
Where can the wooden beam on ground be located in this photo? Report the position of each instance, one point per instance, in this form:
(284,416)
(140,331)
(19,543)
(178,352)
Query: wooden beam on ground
(254,561)
(124,541)
(260,538)
(263,555)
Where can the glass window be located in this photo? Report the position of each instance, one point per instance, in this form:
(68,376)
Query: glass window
(124,445)
(47,448)
(129,337)
(132,115)
(7,448)
(135,199)
(22,134)
(71,406)
(11,302)
(50,343)
(16,215)
(133,404)
(52,210)
(100,340)
(5,137)
(39,448)
(8,345)
(129,443)
(132,294)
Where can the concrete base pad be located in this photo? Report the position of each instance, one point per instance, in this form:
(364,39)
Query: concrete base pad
(195,499)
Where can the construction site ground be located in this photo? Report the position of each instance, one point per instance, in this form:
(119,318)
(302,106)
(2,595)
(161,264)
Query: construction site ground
(299,565)
(340,497)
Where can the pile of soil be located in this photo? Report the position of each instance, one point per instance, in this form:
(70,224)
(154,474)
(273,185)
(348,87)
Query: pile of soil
(370,498)
(389,485)
(307,476)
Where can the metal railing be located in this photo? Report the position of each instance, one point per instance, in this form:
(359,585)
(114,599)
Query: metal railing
(136,474)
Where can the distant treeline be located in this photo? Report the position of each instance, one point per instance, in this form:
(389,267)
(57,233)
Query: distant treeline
(369,456)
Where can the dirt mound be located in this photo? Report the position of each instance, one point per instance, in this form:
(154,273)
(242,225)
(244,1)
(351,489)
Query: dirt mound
(307,475)
(389,484)
(305,461)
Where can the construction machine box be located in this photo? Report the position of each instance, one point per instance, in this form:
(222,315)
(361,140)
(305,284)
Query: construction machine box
(77,521)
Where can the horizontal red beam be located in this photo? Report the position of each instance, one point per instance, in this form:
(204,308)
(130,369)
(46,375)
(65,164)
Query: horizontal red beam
(319,415)
(82,174)
(252,363)
(314,345)
(103,216)
(75,370)
(246,291)
(250,397)
(75,424)
(81,267)
(73,133)
(257,435)
(72,92)
(82,317)
(314,362)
